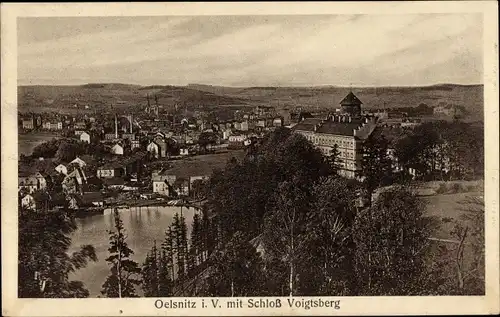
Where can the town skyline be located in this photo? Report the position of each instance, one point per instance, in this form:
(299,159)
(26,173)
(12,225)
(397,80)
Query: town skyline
(243,51)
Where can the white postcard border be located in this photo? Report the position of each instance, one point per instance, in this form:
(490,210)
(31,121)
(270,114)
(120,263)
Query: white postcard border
(12,306)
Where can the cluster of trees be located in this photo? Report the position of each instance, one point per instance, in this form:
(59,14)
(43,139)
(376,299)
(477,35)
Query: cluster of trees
(168,267)
(65,150)
(443,150)
(421,110)
(207,138)
(287,224)
(284,223)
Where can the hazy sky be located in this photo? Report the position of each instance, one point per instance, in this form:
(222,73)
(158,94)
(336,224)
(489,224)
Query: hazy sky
(358,50)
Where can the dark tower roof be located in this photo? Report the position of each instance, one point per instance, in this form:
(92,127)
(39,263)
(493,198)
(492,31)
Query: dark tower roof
(350,99)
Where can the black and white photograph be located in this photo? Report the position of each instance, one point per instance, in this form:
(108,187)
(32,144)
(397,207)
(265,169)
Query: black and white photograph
(287,161)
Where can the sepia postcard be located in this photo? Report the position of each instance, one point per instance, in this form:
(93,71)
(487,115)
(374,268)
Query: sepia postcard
(211,159)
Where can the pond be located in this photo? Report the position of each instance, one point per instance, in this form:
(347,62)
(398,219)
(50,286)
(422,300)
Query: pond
(143,226)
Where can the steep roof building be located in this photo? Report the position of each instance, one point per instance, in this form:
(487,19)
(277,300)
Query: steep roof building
(351,105)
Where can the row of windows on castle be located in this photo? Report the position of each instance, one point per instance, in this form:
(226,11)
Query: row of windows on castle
(330,141)
(349,154)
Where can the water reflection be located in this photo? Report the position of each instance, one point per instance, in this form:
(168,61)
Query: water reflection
(143,226)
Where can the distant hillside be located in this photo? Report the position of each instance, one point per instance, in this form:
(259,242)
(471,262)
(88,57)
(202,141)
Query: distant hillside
(195,95)
(468,96)
(118,96)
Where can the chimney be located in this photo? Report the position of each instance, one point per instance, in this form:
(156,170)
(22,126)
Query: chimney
(116,127)
(130,119)
(315,127)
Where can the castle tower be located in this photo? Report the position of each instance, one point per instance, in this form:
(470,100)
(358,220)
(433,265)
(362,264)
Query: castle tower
(351,105)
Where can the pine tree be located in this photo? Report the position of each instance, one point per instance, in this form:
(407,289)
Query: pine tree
(125,272)
(183,247)
(208,233)
(168,259)
(333,160)
(178,246)
(164,279)
(150,272)
(196,247)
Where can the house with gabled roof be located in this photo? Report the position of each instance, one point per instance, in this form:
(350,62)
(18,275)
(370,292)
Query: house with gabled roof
(75,180)
(157,148)
(117,149)
(162,182)
(28,202)
(85,137)
(86,200)
(31,182)
(62,169)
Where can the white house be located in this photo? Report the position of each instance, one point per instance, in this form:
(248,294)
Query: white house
(28,202)
(226,134)
(85,137)
(62,169)
(277,122)
(162,181)
(31,182)
(184,151)
(154,149)
(117,149)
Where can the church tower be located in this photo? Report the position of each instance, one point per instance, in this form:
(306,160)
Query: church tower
(351,105)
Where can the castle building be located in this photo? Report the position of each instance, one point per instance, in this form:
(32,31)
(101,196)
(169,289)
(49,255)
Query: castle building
(346,132)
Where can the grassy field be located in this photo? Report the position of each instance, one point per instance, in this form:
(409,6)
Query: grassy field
(446,209)
(445,212)
(203,164)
